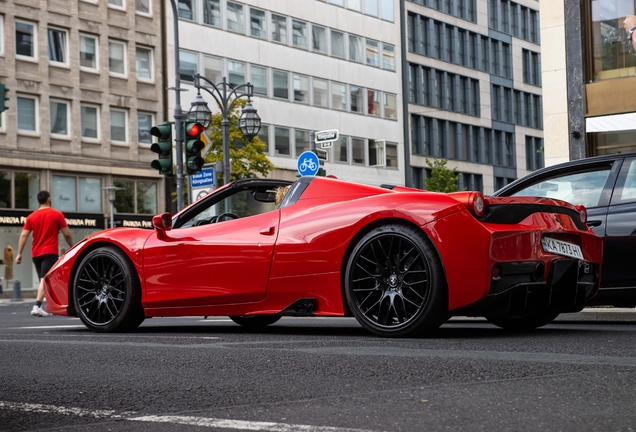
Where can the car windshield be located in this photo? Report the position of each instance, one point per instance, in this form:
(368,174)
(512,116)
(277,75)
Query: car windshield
(580,188)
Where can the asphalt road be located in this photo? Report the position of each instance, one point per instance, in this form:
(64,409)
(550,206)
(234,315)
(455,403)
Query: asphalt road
(315,375)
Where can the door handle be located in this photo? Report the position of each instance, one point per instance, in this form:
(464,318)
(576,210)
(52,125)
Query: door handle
(268,231)
(594,223)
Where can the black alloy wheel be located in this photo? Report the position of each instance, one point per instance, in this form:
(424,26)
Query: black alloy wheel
(255,321)
(107,294)
(394,283)
(525,323)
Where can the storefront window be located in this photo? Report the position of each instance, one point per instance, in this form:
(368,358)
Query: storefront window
(25,187)
(5,189)
(613,51)
(63,195)
(125,198)
(147,197)
(615,142)
(90,190)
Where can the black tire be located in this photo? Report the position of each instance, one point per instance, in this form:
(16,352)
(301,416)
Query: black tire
(255,321)
(526,323)
(107,293)
(394,283)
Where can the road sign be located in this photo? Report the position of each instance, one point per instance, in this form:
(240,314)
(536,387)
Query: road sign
(308,164)
(322,154)
(204,178)
(326,136)
(199,193)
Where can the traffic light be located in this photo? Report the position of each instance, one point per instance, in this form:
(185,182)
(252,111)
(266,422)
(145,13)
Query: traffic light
(3,97)
(163,147)
(193,146)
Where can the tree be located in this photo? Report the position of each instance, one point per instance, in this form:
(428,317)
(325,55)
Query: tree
(248,159)
(442,179)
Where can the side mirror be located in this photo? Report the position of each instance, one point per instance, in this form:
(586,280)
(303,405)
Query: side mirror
(162,223)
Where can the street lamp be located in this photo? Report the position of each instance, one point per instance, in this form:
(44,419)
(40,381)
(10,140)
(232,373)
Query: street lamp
(226,96)
(110,189)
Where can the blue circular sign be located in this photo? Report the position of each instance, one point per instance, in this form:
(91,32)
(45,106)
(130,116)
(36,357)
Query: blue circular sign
(308,164)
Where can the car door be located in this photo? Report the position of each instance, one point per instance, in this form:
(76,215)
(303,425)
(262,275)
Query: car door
(205,262)
(619,263)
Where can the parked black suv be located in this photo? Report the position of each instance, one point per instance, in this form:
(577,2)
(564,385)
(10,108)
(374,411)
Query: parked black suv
(606,186)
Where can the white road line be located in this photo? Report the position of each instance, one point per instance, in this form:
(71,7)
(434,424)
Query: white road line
(47,327)
(182,420)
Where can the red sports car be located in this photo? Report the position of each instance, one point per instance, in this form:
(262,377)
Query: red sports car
(401,260)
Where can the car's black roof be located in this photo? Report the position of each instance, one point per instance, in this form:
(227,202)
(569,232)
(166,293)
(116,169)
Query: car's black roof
(573,165)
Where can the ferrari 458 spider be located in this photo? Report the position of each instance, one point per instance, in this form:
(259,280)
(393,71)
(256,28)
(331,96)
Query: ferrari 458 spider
(400,260)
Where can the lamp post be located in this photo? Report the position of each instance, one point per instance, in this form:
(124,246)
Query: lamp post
(110,189)
(225,96)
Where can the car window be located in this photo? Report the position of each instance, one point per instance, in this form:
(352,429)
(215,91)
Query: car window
(241,204)
(580,188)
(626,187)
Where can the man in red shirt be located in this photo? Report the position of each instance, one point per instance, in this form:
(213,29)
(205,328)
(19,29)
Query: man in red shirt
(45,223)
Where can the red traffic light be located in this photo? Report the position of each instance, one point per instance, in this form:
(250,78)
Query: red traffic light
(194,129)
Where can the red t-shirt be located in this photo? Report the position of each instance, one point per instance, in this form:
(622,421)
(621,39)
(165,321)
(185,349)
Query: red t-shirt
(45,224)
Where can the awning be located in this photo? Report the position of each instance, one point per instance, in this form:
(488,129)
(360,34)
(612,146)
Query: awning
(618,122)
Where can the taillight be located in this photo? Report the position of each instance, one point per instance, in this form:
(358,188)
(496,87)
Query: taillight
(477,204)
(582,213)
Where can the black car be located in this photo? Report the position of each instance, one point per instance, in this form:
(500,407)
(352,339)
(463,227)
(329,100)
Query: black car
(606,186)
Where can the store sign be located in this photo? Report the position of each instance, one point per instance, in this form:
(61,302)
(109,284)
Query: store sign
(133,221)
(74,220)
(13,218)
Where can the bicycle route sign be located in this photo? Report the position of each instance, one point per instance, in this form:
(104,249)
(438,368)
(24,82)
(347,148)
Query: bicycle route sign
(308,164)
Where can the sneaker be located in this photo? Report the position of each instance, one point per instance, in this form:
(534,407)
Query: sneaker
(38,311)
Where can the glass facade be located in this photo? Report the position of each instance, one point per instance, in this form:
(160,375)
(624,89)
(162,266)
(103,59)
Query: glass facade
(612,48)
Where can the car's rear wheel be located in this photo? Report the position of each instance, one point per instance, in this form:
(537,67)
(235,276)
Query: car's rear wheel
(394,282)
(526,323)
(255,321)
(106,293)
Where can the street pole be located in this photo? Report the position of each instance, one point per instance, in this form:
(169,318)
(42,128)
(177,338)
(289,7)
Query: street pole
(178,114)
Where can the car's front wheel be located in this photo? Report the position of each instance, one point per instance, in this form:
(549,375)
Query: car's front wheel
(106,291)
(394,282)
(526,323)
(255,321)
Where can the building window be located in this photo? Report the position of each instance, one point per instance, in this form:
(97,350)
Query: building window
(377,152)
(187,65)
(60,118)
(357,151)
(258,23)
(117,58)
(281,141)
(144,123)
(186,9)
(302,141)
(337,44)
(137,197)
(118,125)
(373,57)
(213,69)
(27,114)
(144,63)
(142,7)
(25,37)
(64,193)
(339,96)
(212,12)
(1,38)
(259,80)
(88,48)
(299,34)
(58,46)
(236,72)
(301,88)
(391,155)
(235,17)
(373,102)
(388,57)
(341,150)
(371,7)
(263,135)
(390,106)
(355,49)
(319,39)
(90,195)
(279,28)
(25,187)
(281,84)
(89,118)
(386,10)
(321,93)
(356,103)
(117,4)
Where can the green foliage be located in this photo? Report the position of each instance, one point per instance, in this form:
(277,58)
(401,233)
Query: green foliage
(442,179)
(248,159)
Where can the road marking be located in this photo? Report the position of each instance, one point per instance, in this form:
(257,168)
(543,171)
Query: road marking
(242,425)
(47,327)
(183,420)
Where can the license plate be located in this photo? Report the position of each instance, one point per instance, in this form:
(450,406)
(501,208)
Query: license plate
(560,247)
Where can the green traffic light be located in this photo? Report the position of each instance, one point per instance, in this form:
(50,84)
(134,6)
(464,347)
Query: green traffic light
(163,148)
(3,97)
